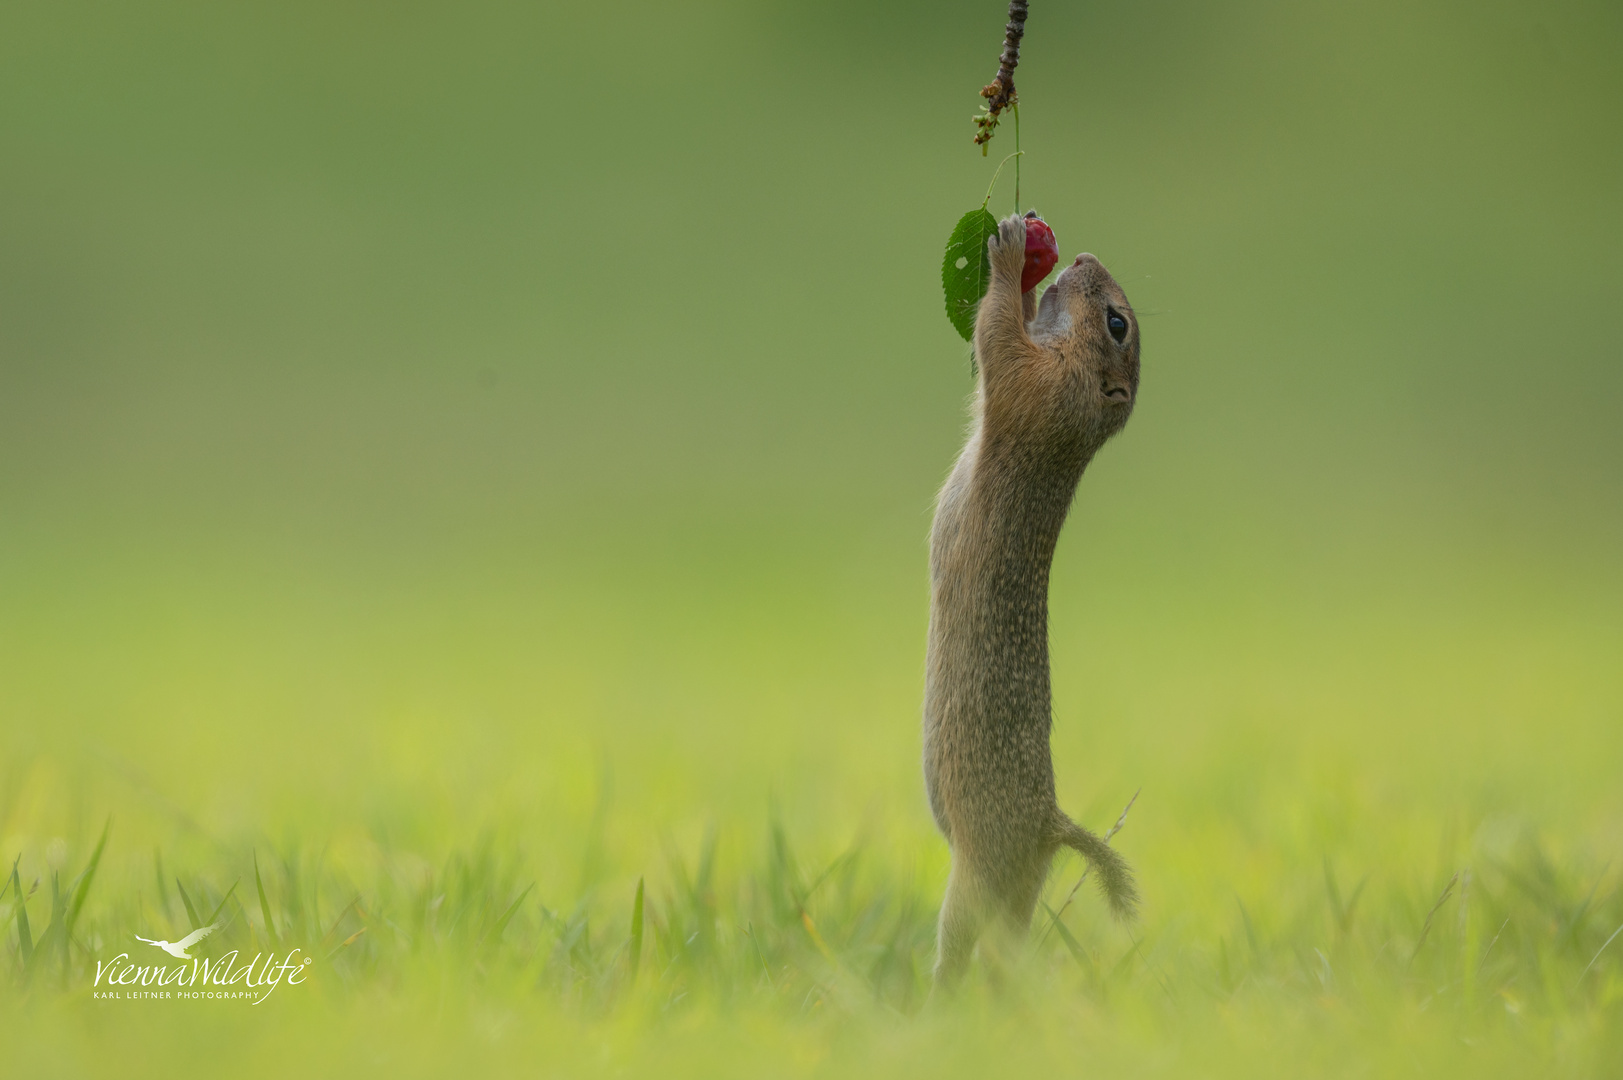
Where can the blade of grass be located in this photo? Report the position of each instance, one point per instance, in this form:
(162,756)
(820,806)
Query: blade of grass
(1470,939)
(1575,923)
(59,917)
(53,931)
(346,943)
(707,867)
(332,931)
(844,859)
(1600,950)
(80,889)
(1484,958)
(163,886)
(1344,910)
(1250,931)
(784,868)
(636,932)
(1078,953)
(264,906)
(25,936)
(1122,964)
(315,892)
(1448,890)
(191,912)
(221,905)
(1352,904)
(760,954)
(1157,971)
(817,939)
(494,937)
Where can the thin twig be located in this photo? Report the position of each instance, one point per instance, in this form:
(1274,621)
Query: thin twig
(999,93)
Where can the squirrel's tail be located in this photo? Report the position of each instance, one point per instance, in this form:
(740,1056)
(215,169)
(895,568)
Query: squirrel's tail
(1115,877)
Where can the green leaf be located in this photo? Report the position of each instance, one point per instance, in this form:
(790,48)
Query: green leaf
(966,269)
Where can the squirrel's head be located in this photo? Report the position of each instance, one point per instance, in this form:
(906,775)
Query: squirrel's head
(1085,319)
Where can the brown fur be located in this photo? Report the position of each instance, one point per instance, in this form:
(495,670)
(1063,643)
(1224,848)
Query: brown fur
(1054,385)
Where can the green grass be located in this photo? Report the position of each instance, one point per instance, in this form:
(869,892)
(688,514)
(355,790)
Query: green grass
(1347,878)
(764,957)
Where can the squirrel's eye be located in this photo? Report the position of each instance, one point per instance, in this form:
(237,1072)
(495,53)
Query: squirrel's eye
(1118,327)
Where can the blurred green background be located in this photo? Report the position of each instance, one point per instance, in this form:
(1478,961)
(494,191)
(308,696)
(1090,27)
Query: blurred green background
(420,419)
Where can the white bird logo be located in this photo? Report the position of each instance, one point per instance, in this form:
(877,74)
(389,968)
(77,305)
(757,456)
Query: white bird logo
(178,948)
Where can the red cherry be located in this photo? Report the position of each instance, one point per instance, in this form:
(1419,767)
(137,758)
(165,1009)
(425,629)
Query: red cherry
(1042,252)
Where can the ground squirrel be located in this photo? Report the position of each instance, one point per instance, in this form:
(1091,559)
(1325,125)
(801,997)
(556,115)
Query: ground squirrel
(1056,380)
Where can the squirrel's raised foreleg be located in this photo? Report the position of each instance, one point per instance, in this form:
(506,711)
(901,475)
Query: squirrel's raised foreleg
(1001,341)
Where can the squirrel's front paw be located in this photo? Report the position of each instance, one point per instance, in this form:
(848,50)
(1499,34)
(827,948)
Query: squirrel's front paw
(1008,248)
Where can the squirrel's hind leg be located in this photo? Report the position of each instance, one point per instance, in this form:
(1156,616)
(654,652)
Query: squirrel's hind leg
(962,914)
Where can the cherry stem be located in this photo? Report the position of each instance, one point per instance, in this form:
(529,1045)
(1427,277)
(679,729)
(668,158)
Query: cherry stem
(1017,151)
(999,172)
